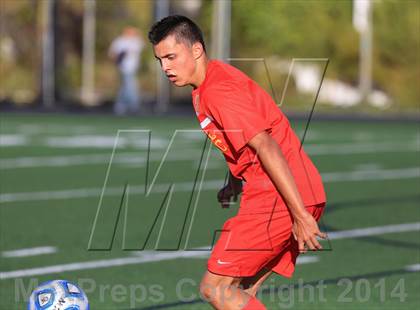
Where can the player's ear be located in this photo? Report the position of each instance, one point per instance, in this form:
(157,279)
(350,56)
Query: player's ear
(197,49)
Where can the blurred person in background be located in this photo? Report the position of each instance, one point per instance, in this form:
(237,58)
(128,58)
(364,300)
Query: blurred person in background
(125,51)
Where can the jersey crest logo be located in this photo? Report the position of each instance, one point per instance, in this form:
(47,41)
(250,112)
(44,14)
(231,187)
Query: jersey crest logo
(209,128)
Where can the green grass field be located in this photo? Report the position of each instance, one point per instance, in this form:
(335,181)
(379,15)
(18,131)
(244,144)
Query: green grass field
(53,170)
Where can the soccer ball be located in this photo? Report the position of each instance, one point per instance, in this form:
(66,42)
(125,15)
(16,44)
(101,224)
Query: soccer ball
(58,295)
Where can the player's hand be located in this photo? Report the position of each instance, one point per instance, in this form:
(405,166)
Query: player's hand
(228,194)
(305,230)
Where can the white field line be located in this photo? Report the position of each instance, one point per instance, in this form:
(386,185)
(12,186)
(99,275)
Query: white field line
(116,262)
(95,192)
(413,268)
(133,157)
(361,148)
(153,256)
(351,176)
(13,140)
(373,231)
(31,129)
(29,252)
(371,175)
(89,159)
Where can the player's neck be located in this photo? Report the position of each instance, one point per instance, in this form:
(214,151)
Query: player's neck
(200,73)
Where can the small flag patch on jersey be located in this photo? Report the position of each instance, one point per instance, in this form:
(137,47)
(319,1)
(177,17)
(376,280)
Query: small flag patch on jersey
(205,122)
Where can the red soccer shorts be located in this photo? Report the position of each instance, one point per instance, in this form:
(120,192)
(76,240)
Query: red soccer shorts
(252,241)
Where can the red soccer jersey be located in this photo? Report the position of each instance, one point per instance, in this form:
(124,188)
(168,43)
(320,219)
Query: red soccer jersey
(232,109)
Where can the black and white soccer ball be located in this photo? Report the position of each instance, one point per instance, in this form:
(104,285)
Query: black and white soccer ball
(58,295)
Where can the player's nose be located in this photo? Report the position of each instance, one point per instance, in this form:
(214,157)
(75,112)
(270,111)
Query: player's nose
(165,66)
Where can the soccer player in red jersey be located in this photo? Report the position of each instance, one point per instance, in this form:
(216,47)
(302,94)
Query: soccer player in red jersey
(283,195)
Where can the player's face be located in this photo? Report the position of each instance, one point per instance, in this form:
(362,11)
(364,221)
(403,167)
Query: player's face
(177,60)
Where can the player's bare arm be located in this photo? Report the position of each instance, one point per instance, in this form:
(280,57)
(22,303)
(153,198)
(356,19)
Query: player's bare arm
(305,228)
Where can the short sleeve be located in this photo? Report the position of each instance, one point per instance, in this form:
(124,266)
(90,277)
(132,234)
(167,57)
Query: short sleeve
(233,109)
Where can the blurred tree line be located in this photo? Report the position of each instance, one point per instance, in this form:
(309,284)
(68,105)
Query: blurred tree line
(21,33)
(286,29)
(324,29)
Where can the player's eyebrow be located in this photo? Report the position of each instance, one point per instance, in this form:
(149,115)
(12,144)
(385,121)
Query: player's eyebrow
(165,56)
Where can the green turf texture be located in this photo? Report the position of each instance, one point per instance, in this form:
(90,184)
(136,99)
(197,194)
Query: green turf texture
(360,273)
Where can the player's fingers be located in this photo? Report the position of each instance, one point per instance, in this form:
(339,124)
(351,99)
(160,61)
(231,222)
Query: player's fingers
(221,195)
(301,246)
(316,244)
(225,203)
(321,235)
(225,193)
(310,243)
(295,234)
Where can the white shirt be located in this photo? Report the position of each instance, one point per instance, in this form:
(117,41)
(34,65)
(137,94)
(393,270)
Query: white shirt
(132,46)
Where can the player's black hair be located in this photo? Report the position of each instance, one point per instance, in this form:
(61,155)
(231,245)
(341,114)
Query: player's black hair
(182,27)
